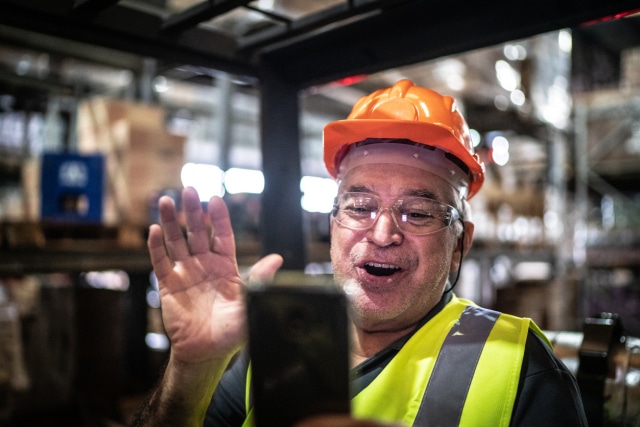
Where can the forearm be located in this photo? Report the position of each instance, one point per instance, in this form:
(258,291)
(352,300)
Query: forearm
(182,396)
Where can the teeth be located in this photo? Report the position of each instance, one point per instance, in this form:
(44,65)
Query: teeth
(378,265)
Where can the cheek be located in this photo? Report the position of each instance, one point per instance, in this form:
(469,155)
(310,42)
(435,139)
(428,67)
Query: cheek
(339,252)
(436,258)
(342,252)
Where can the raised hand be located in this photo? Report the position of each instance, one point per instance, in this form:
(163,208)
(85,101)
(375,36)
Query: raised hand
(201,290)
(203,311)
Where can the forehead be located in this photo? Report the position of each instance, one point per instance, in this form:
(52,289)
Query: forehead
(390,180)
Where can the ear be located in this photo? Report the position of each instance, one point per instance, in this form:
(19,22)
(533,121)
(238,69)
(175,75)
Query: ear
(332,215)
(463,245)
(331,225)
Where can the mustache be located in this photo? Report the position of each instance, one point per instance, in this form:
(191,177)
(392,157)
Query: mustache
(388,255)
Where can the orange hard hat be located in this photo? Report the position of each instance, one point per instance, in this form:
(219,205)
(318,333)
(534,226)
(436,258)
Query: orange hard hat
(406,112)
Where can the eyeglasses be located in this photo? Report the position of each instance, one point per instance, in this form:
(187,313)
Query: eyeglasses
(412,215)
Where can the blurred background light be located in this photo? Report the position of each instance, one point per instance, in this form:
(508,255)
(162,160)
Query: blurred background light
(500,150)
(206,179)
(565,41)
(476,138)
(115,280)
(507,76)
(517,97)
(318,194)
(514,52)
(237,180)
(156,341)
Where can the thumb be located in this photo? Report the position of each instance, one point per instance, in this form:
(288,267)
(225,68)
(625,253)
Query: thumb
(265,269)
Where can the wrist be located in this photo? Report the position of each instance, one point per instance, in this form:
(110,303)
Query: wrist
(187,388)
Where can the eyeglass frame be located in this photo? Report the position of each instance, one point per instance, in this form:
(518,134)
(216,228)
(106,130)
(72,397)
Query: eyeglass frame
(452,212)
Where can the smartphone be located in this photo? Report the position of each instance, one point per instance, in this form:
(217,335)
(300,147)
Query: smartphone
(299,348)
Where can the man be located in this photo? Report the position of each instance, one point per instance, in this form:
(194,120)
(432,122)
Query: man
(400,225)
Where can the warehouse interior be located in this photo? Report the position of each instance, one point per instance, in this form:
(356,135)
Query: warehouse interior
(129,100)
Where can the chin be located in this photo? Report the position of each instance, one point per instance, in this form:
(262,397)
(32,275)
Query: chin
(368,310)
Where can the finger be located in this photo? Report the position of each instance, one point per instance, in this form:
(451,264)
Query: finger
(197,236)
(158,253)
(222,241)
(173,238)
(265,269)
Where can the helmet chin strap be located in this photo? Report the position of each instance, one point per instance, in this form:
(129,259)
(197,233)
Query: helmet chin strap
(455,282)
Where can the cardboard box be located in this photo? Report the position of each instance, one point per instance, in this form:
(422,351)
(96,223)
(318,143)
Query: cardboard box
(142,159)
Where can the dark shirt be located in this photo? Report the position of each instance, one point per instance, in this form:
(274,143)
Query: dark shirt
(547,394)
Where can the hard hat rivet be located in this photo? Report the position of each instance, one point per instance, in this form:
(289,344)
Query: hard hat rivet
(415,155)
(366,153)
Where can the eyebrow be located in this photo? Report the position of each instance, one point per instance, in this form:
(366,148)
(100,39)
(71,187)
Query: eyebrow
(358,189)
(420,193)
(413,192)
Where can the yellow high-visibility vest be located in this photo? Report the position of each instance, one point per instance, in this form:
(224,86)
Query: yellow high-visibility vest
(462,368)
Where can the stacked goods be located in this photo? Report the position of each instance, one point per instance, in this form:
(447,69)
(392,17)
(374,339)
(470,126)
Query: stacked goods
(142,159)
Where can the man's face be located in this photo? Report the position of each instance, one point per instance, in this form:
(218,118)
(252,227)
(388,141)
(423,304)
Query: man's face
(393,279)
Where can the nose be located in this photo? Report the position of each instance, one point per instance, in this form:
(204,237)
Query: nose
(385,230)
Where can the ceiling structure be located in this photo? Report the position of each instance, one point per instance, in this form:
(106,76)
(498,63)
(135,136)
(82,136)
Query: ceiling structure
(308,43)
(281,47)
(305,42)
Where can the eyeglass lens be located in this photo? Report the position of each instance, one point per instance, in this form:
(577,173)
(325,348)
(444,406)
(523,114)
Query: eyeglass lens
(414,215)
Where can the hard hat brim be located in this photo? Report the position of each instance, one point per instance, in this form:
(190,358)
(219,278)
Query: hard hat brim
(340,134)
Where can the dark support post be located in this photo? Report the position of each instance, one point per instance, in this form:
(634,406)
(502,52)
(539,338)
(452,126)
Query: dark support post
(281,217)
(602,336)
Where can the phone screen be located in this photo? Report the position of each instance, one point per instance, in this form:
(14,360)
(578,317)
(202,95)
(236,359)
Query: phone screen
(299,348)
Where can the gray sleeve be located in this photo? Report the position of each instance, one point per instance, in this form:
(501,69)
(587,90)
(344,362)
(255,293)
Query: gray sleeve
(548,394)
(227,407)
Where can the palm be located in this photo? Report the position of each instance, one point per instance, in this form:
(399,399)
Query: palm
(200,286)
(202,306)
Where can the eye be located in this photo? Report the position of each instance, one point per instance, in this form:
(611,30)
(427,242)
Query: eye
(418,211)
(360,206)
(419,214)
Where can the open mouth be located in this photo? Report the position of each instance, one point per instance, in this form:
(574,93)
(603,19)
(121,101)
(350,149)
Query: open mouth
(377,269)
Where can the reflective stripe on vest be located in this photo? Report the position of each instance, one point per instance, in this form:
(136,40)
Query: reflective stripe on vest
(442,403)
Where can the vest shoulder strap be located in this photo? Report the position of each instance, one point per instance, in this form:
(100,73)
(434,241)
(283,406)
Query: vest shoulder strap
(442,403)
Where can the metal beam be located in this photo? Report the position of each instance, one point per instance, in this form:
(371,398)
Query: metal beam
(317,49)
(201,12)
(417,31)
(35,260)
(296,27)
(92,7)
(281,215)
(608,142)
(127,29)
